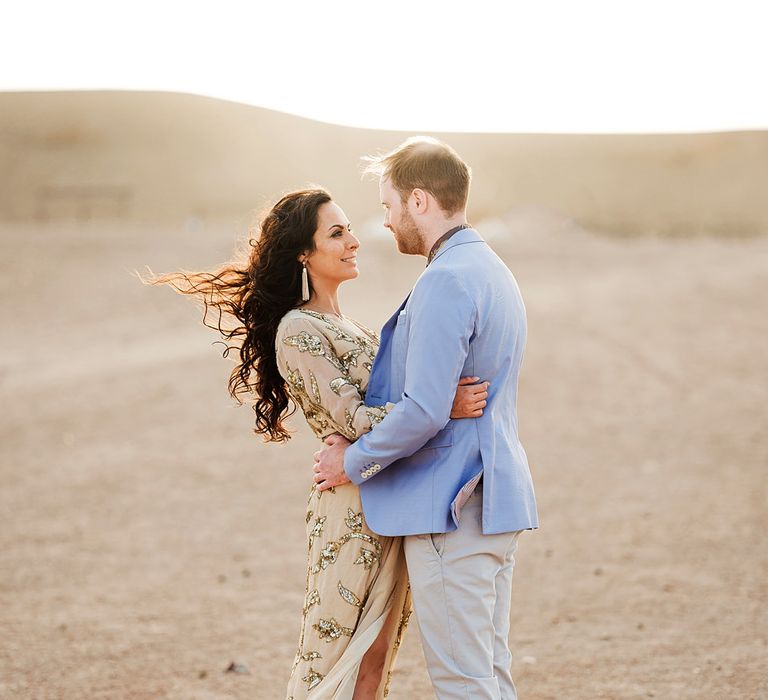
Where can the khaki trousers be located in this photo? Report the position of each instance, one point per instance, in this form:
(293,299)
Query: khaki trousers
(461,583)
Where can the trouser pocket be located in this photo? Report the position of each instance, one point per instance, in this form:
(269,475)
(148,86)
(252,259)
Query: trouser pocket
(437,540)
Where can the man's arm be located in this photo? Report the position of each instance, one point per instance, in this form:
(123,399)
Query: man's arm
(442,322)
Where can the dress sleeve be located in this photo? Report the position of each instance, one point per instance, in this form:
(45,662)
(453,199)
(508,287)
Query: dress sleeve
(318,380)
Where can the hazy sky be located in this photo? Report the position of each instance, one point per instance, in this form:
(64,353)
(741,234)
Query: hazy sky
(533,66)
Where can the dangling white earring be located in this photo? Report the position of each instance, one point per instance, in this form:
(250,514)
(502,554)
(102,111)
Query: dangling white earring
(304,283)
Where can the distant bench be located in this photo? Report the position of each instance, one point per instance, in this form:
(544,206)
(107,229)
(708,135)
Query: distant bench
(83,202)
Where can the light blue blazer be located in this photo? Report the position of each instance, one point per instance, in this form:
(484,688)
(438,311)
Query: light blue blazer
(464,317)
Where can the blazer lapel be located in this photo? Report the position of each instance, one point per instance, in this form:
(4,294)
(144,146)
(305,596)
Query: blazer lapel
(379,378)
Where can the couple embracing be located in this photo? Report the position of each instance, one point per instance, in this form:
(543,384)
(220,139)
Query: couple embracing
(422,487)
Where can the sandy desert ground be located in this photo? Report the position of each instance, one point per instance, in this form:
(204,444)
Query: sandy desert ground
(148,539)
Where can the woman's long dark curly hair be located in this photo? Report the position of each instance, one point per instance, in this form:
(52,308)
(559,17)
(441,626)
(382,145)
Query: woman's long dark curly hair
(256,289)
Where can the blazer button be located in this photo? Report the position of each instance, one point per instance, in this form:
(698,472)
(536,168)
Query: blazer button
(376,467)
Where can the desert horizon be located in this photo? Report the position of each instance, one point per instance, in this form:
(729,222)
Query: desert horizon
(126,154)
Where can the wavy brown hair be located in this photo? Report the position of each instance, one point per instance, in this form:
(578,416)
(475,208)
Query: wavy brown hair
(255,290)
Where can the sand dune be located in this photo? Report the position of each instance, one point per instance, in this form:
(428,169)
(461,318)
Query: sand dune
(178,157)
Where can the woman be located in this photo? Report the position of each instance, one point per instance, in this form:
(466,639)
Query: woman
(296,346)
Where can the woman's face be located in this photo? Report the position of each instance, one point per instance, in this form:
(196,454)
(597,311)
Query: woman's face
(335,256)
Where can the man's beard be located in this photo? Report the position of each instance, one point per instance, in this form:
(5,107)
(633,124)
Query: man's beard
(407,235)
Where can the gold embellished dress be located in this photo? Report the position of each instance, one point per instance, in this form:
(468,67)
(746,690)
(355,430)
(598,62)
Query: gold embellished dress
(356,580)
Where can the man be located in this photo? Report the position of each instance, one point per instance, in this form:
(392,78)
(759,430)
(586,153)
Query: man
(459,491)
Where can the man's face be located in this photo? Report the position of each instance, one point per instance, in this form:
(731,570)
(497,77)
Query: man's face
(398,219)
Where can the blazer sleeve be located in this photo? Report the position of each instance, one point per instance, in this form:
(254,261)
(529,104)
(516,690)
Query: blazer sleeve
(443,316)
(319,382)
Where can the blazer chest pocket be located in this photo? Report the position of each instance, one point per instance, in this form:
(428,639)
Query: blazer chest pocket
(400,333)
(399,355)
(443,439)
